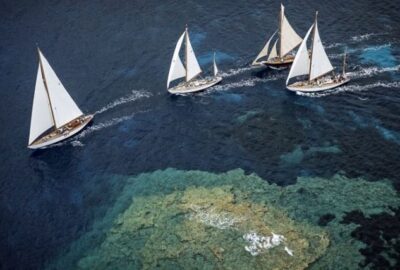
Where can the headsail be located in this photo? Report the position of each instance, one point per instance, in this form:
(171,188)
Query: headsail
(274,52)
(41,119)
(192,66)
(301,63)
(64,107)
(265,50)
(320,64)
(215,67)
(176,70)
(289,38)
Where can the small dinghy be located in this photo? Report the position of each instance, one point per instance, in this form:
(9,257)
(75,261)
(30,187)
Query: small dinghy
(190,71)
(281,55)
(55,116)
(316,65)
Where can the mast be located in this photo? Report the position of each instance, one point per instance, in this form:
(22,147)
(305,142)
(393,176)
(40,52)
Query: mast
(186,51)
(46,87)
(312,45)
(280,31)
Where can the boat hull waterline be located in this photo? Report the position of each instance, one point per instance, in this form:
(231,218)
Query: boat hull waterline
(306,87)
(277,63)
(194,86)
(62,133)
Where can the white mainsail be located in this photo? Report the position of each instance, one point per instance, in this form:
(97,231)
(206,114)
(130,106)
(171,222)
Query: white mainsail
(274,52)
(41,119)
(289,38)
(176,70)
(265,50)
(215,67)
(192,66)
(63,106)
(301,63)
(320,64)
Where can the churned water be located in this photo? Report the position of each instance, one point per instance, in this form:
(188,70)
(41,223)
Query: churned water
(63,207)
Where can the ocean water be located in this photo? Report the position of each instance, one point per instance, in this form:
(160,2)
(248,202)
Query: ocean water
(113,57)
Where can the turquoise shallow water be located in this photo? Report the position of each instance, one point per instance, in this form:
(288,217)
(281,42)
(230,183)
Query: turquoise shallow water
(113,58)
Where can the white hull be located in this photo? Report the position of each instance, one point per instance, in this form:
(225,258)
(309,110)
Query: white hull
(306,87)
(63,136)
(194,86)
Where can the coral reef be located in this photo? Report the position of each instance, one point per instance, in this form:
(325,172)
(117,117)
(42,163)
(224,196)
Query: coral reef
(190,220)
(211,226)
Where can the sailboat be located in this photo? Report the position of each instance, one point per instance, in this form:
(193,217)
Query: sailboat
(316,66)
(55,116)
(191,70)
(281,55)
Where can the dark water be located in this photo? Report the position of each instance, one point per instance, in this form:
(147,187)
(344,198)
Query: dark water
(104,50)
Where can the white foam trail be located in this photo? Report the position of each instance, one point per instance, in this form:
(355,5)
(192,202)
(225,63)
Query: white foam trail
(357,38)
(77,143)
(75,140)
(351,88)
(334,45)
(243,83)
(364,37)
(371,71)
(134,95)
(378,47)
(103,125)
(235,71)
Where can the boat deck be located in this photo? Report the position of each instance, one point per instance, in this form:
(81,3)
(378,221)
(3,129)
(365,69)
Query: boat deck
(195,85)
(318,85)
(287,59)
(276,62)
(63,131)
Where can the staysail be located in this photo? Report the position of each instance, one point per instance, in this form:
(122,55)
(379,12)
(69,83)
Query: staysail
(265,50)
(274,52)
(192,66)
(41,119)
(176,70)
(320,64)
(289,38)
(63,106)
(215,67)
(301,63)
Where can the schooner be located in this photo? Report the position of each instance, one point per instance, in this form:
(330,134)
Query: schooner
(281,54)
(191,70)
(316,65)
(55,116)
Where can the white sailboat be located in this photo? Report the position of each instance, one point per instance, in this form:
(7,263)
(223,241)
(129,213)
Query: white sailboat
(55,116)
(281,54)
(190,71)
(316,66)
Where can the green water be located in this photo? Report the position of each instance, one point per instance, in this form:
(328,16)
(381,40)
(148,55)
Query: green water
(175,219)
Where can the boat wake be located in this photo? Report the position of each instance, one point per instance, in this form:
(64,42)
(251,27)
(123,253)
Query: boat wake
(75,141)
(354,39)
(351,88)
(365,37)
(134,95)
(355,50)
(243,83)
(236,71)
(371,71)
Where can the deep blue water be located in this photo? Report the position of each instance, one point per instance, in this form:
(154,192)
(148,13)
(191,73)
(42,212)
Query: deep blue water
(104,50)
